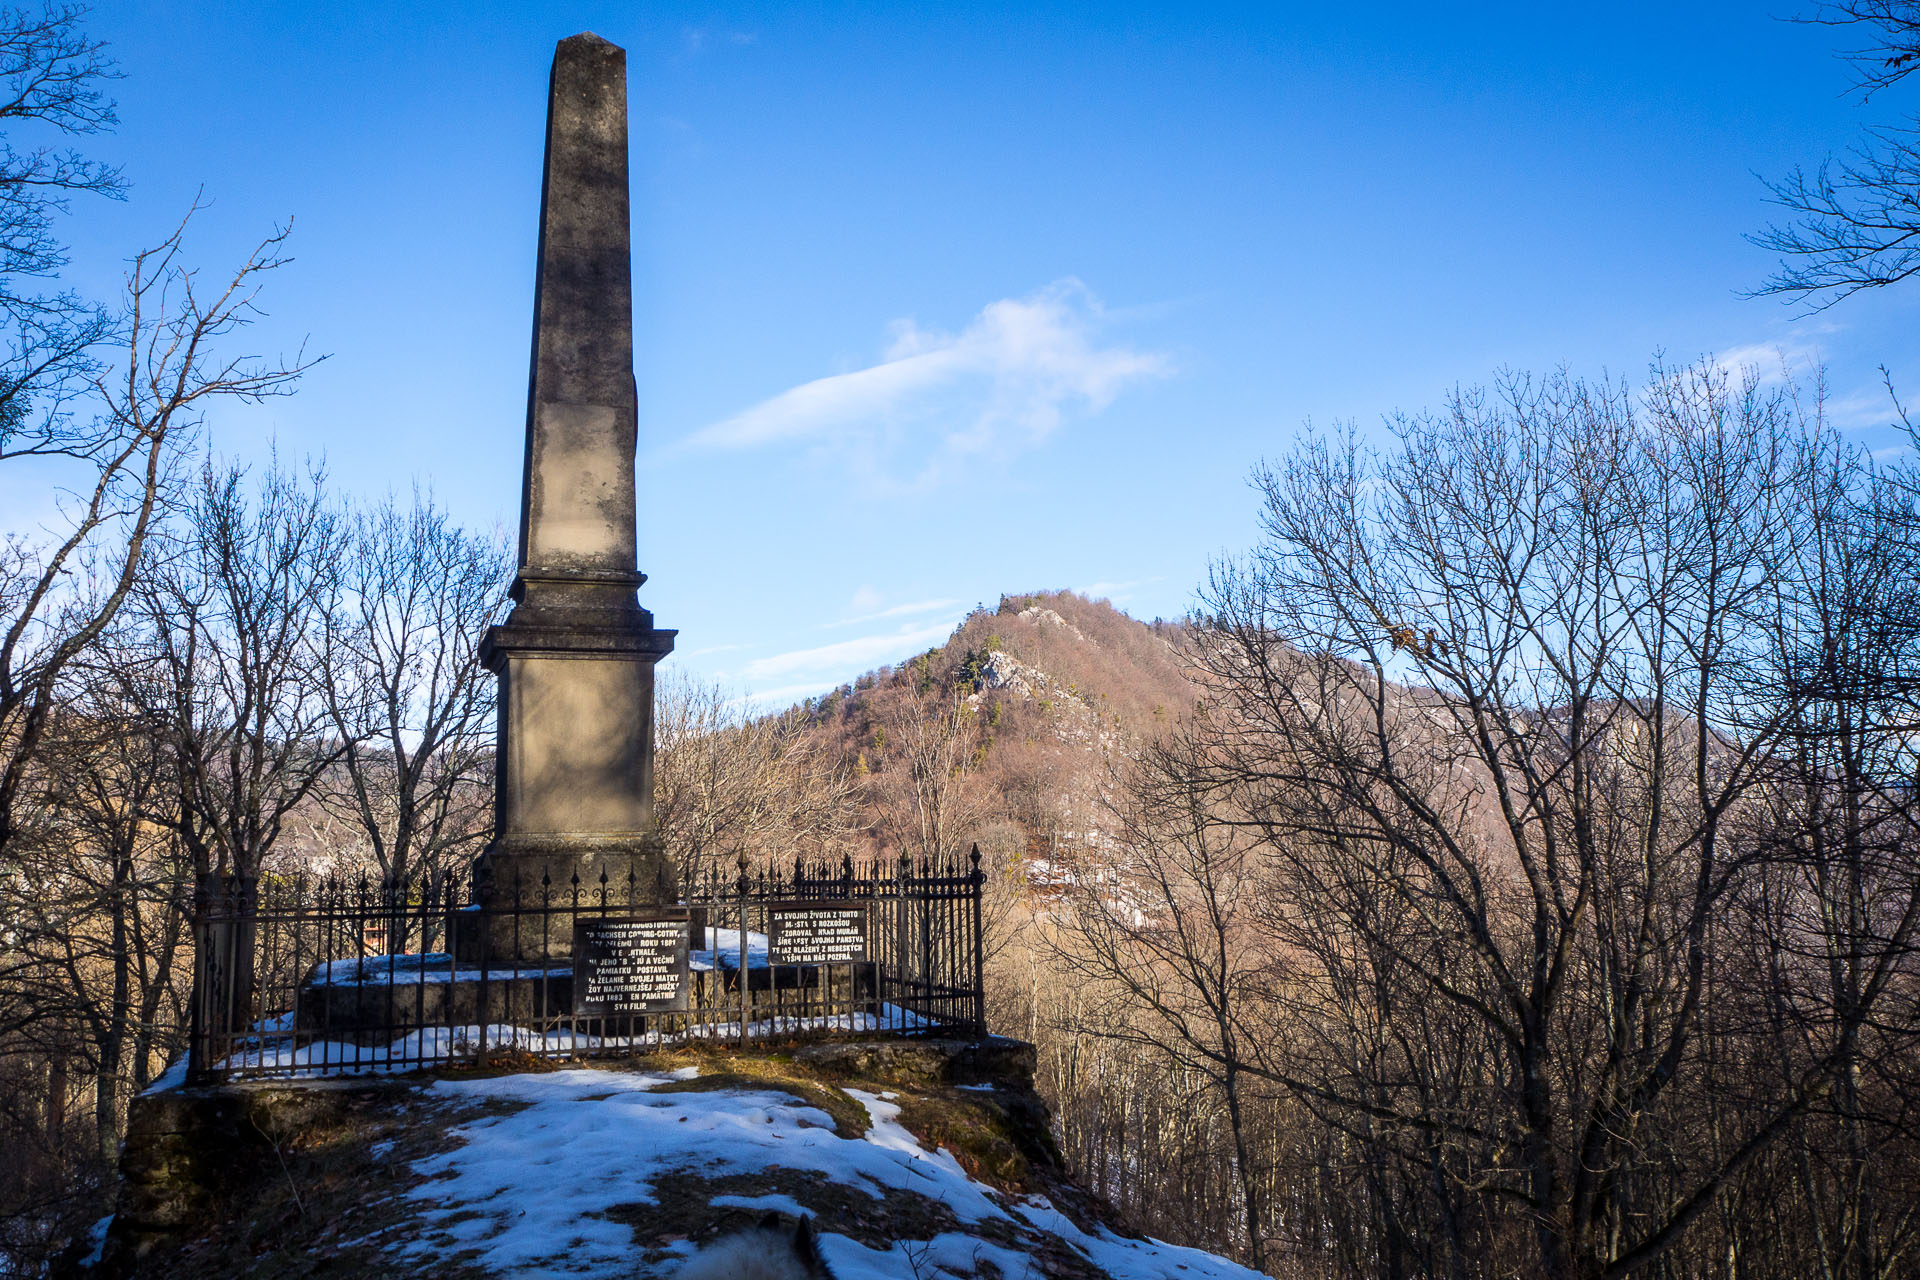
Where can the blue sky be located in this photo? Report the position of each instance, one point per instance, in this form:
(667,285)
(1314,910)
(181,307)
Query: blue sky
(936,303)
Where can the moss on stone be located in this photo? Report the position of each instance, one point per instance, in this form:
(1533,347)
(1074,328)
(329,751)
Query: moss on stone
(276,1182)
(1006,1147)
(850,1119)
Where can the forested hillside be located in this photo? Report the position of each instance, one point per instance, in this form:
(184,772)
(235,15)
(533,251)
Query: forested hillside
(1005,732)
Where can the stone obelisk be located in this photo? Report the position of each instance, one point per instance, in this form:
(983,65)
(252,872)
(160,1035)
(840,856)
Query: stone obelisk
(574,771)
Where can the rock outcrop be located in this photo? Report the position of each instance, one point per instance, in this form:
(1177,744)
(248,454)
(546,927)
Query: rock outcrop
(911,1157)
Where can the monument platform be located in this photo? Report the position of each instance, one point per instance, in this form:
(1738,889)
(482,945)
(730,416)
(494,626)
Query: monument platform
(376,1000)
(359,1176)
(301,981)
(381,998)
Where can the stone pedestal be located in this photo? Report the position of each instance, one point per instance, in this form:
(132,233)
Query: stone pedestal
(574,775)
(430,993)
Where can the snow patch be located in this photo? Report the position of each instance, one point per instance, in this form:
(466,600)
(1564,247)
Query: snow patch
(763,1204)
(529,1190)
(97,1242)
(286,1057)
(412,970)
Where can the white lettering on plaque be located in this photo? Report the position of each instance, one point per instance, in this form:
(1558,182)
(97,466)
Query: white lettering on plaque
(832,933)
(628,966)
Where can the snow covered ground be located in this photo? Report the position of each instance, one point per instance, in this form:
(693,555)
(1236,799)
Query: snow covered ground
(721,950)
(413,969)
(536,1188)
(278,1051)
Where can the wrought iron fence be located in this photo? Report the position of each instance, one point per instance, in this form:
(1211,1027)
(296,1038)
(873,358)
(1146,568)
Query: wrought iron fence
(300,976)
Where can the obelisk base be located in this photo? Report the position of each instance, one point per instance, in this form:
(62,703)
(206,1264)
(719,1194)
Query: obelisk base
(529,889)
(574,798)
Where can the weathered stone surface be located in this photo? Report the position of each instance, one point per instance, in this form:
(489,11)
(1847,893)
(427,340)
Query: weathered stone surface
(574,784)
(578,746)
(192,1156)
(375,1012)
(578,509)
(994,1060)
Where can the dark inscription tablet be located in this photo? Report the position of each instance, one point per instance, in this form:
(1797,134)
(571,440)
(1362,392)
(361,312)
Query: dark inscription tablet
(630,964)
(829,933)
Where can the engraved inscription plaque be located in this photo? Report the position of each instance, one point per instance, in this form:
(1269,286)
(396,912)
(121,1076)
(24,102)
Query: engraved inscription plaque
(630,964)
(817,933)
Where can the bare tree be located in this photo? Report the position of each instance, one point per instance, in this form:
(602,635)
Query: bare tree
(1855,221)
(924,794)
(98,406)
(411,707)
(96,903)
(1566,937)
(1162,930)
(57,596)
(1840,897)
(52,75)
(728,784)
(230,623)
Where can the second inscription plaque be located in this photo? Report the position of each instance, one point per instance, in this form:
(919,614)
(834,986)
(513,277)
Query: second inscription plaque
(817,933)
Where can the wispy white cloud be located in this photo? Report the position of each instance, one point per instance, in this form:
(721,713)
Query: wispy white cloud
(1112,590)
(1801,358)
(786,694)
(897,611)
(1863,410)
(1005,382)
(1773,362)
(713,648)
(695,40)
(847,656)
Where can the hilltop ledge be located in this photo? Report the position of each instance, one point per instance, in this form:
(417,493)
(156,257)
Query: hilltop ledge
(912,1157)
